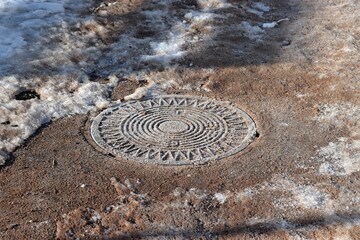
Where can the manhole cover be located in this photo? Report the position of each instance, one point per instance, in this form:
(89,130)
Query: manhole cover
(173,130)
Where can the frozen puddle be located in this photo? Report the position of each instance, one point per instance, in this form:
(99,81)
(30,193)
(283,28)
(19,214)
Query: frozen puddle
(173,130)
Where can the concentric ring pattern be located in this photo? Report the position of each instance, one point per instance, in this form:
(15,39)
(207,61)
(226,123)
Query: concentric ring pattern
(173,130)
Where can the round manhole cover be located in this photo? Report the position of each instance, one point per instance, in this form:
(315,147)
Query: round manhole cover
(173,130)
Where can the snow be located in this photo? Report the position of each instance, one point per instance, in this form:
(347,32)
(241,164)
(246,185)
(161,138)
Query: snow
(274,24)
(269,25)
(338,113)
(340,158)
(220,197)
(253,32)
(254,11)
(245,194)
(258,8)
(35,36)
(309,197)
(165,52)
(10,41)
(3,157)
(152,88)
(54,47)
(261,6)
(213,4)
(18,18)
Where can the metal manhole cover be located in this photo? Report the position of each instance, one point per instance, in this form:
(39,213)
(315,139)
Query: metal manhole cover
(173,130)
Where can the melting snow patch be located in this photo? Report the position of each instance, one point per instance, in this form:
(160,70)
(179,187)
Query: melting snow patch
(166,51)
(273,24)
(213,4)
(309,197)
(258,8)
(25,117)
(340,158)
(11,41)
(338,113)
(60,87)
(261,6)
(254,11)
(246,194)
(200,17)
(220,197)
(3,157)
(151,89)
(253,32)
(269,25)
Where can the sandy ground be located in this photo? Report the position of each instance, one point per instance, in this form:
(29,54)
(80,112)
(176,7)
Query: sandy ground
(298,180)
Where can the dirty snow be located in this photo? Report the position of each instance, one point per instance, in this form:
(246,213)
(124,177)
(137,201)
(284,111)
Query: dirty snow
(213,4)
(253,32)
(220,197)
(166,51)
(59,49)
(38,44)
(269,25)
(257,8)
(3,157)
(261,6)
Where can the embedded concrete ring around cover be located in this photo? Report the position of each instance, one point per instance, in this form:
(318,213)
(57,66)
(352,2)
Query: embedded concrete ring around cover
(173,130)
